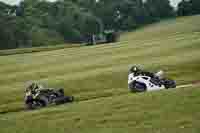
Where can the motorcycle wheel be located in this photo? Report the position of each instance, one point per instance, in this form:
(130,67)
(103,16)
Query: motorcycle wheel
(169,84)
(139,87)
(42,101)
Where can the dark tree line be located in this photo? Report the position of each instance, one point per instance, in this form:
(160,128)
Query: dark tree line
(40,23)
(188,7)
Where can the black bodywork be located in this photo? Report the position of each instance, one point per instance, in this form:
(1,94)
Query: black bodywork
(45,97)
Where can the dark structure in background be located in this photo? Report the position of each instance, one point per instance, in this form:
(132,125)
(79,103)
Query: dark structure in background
(110,36)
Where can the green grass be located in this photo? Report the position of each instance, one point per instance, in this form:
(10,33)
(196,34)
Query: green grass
(97,77)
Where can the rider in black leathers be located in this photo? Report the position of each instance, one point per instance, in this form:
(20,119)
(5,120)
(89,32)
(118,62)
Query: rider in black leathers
(35,88)
(137,71)
(156,78)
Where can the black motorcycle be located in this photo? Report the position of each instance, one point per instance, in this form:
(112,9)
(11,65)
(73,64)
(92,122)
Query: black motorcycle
(45,97)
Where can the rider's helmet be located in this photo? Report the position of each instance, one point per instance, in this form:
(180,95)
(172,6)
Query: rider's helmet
(32,87)
(159,74)
(134,69)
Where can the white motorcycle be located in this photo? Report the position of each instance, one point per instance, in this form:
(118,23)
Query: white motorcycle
(142,83)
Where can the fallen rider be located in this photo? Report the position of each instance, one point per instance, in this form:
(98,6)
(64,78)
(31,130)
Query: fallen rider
(36,96)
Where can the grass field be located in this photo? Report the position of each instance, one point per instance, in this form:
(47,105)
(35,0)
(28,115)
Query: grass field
(97,77)
(36,49)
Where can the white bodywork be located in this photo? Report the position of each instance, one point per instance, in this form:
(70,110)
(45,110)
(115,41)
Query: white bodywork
(146,80)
